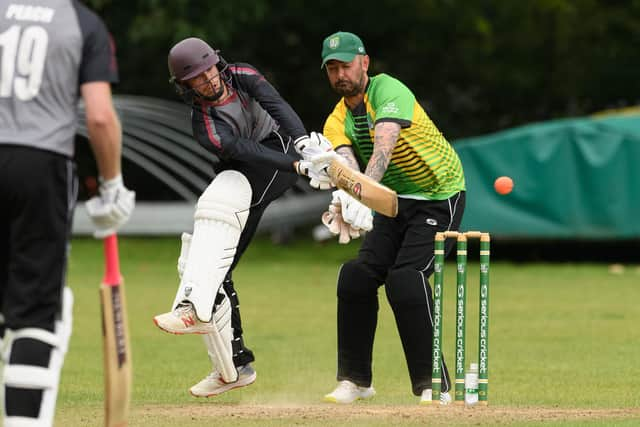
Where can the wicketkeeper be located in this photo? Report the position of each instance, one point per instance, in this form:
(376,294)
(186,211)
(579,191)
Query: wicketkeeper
(379,127)
(259,139)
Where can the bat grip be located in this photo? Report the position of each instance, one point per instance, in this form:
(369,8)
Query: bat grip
(111,261)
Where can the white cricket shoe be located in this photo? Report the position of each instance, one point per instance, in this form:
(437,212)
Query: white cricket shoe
(348,392)
(425,398)
(183,320)
(213,384)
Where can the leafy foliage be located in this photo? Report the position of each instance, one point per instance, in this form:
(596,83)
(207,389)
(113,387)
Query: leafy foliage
(476,66)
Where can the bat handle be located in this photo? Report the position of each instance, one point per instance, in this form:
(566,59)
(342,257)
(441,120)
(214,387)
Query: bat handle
(111,260)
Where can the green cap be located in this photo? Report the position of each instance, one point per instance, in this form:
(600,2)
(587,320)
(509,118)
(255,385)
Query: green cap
(342,46)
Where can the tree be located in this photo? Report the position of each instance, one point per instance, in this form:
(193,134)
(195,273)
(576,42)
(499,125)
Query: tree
(476,65)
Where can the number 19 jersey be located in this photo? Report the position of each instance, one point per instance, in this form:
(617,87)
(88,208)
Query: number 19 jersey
(48,48)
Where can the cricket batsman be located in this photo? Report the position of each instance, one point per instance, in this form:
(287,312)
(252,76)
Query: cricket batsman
(259,139)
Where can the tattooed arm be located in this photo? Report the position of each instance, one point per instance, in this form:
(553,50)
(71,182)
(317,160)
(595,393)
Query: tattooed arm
(386,137)
(348,154)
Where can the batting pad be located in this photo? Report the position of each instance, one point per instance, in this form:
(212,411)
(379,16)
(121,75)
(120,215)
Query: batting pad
(219,342)
(221,214)
(35,377)
(185,240)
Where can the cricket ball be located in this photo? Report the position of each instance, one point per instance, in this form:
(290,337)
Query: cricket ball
(503,185)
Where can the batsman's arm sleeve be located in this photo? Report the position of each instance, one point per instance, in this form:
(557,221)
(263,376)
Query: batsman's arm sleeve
(216,136)
(259,88)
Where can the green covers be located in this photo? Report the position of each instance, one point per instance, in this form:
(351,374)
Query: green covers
(574,178)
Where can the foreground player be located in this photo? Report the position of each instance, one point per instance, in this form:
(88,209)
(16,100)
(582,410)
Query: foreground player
(53,51)
(240,117)
(379,126)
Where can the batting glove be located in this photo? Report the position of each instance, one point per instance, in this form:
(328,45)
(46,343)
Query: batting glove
(312,145)
(316,169)
(312,148)
(112,208)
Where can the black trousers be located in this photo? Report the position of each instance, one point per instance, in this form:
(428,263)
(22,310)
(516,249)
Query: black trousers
(37,196)
(267,184)
(397,253)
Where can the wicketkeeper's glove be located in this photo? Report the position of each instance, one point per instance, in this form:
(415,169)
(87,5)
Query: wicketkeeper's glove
(354,213)
(336,224)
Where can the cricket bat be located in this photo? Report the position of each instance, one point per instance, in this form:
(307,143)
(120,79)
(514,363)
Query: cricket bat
(364,189)
(115,338)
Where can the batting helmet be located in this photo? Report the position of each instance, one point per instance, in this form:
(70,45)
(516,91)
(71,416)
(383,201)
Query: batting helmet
(191,57)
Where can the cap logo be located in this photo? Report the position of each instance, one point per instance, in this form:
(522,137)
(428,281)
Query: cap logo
(361,49)
(334,42)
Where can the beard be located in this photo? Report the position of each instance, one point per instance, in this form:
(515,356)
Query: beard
(348,88)
(208,91)
(214,94)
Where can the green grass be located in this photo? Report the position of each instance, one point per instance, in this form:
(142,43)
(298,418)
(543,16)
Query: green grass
(563,337)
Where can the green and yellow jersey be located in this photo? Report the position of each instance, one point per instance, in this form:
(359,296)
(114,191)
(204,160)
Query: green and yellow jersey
(423,164)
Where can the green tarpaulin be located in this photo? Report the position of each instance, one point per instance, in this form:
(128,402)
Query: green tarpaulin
(576,178)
